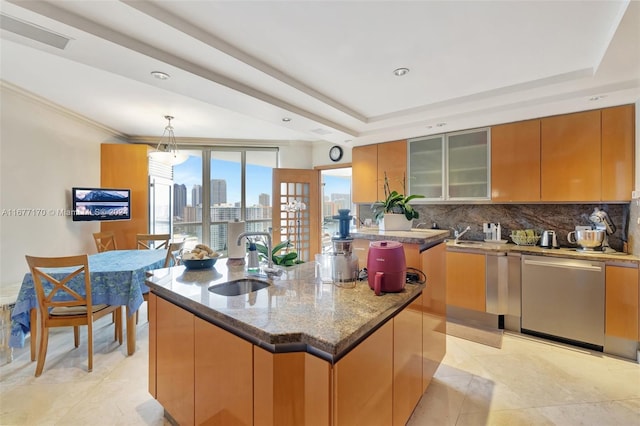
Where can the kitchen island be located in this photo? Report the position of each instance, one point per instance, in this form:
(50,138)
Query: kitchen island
(296,352)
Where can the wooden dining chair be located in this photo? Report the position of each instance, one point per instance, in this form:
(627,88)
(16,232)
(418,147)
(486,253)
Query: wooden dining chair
(105,241)
(76,310)
(152,241)
(173,254)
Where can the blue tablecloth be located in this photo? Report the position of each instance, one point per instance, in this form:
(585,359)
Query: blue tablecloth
(117,278)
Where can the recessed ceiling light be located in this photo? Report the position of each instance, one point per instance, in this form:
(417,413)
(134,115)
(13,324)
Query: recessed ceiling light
(286,119)
(597,97)
(160,75)
(399,72)
(441,124)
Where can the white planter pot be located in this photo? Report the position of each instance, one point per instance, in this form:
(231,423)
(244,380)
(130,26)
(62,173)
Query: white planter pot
(395,222)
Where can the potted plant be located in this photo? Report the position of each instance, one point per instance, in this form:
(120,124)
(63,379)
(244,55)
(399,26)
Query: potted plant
(394,213)
(289,258)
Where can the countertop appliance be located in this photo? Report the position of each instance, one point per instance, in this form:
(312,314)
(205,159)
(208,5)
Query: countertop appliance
(549,240)
(386,267)
(344,264)
(563,299)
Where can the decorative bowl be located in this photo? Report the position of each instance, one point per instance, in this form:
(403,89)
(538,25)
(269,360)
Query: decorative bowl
(525,240)
(199,263)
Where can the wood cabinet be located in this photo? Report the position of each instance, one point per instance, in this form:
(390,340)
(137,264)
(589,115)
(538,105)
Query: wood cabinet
(434,311)
(621,306)
(175,360)
(392,161)
(586,156)
(515,162)
(407,361)
(571,157)
(202,374)
(126,166)
(369,164)
(618,140)
(466,280)
(363,382)
(223,377)
(411,253)
(290,389)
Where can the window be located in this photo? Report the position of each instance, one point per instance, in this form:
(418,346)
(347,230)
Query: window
(237,186)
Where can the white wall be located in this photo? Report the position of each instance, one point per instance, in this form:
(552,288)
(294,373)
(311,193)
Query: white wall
(44,152)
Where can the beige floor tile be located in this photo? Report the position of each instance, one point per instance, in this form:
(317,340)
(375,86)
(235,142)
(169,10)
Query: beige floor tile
(528,381)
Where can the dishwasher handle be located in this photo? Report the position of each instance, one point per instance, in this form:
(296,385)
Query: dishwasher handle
(552,264)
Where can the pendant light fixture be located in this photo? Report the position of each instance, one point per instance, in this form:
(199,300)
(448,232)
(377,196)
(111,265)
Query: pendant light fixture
(167,150)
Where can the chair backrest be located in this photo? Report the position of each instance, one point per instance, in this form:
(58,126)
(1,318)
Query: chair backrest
(152,241)
(105,241)
(174,251)
(68,283)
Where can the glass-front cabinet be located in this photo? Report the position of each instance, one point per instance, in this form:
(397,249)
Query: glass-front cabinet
(452,166)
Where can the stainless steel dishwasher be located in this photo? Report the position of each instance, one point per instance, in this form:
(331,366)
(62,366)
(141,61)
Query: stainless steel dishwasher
(563,298)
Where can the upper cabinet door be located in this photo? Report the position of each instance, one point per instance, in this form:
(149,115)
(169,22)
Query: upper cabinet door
(426,167)
(570,157)
(617,153)
(468,165)
(515,162)
(392,161)
(364,170)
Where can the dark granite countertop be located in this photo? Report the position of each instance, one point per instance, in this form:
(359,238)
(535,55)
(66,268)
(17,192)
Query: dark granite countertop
(296,313)
(481,246)
(425,238)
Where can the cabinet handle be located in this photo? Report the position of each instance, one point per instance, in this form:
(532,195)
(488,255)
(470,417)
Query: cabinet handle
(563,265)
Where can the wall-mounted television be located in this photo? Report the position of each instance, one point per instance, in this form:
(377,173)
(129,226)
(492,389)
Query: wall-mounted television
(100,204)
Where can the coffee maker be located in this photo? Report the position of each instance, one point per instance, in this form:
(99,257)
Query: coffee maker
(344,264)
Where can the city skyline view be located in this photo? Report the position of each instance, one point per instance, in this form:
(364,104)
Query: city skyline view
(189,174)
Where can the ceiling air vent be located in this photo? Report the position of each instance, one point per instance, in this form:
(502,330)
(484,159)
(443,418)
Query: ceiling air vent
(320,131)
(33,32)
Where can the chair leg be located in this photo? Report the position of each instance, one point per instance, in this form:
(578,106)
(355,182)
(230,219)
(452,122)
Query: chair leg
(76,336)
(42,352)
(33,320)
(90,344)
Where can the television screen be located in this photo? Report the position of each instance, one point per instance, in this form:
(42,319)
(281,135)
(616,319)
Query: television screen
(101,204)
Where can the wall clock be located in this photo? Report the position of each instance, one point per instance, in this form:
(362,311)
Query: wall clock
(335,153)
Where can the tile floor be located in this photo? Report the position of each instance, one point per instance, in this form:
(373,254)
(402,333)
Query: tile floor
(527,382)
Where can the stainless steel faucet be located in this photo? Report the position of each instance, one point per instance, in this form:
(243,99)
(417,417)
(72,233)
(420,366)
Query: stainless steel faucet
(269,270)
(458,234)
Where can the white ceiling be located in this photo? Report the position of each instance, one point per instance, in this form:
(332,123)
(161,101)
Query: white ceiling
(238,67)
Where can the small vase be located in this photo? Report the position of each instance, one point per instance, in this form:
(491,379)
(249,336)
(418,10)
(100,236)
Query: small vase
(395,222)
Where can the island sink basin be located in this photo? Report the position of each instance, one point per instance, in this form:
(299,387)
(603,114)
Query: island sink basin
(238,287)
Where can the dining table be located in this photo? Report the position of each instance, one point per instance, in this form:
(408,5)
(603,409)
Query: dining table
(117,278)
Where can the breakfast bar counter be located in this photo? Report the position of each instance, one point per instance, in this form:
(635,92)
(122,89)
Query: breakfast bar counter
(296,352)
(297,312)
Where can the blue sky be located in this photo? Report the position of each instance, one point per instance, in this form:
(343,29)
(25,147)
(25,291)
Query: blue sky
(189,173)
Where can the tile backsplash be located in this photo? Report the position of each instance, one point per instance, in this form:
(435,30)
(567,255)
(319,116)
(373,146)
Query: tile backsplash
(561,218)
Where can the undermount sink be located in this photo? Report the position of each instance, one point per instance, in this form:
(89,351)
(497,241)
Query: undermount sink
(238,287)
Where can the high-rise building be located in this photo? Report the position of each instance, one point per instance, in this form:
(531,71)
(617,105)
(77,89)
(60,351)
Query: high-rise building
(196,196)
(264,200)
(179,199)
(218,191)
